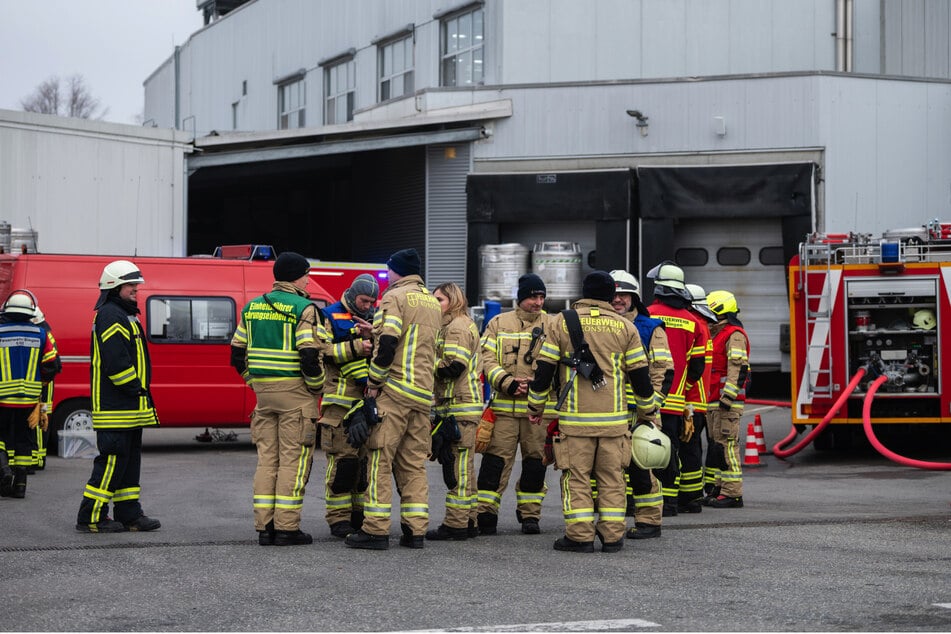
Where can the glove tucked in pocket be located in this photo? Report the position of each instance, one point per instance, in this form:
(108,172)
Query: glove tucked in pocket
(484,430)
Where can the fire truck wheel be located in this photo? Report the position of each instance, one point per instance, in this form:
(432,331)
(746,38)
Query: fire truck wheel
(72,415)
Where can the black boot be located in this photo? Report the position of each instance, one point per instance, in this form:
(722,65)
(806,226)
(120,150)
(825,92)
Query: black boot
(444,532)
(359,539)
(292,538)
(530,526)
(19,482)
(266,537)
(356,519)
(473,530)
(6,475)
(610,547)
(488,523)
(143,523)
(643,531)
(341,529)
(571,546)
(691,506)
(408,540)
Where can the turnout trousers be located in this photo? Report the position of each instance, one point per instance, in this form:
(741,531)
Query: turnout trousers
(16,437)
(725,432)
(602,459)
(284,430)
(671,424)
(398,448)
(690,486)
(512,433)
(345,480)
(461,500)
(115,478)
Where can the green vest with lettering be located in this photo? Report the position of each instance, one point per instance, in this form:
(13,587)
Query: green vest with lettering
(271,328)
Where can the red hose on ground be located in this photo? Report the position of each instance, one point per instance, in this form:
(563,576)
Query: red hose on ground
(759,401)
(784,453)
(882,449)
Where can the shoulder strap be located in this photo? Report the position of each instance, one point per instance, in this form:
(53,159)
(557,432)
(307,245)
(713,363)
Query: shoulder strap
(574,328)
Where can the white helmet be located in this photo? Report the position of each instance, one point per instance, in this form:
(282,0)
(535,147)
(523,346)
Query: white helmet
(21,302)
(118,273)
(624,282)
(38,317)
(668,280)
(924,319)
(698,301)
(650,447)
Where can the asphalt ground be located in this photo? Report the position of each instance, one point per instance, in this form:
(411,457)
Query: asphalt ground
(827,541)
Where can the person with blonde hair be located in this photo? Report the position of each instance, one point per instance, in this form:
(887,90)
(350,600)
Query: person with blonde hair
(458,400)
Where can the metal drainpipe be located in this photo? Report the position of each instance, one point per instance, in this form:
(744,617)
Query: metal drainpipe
(849,6)
(840,35)
(178,92)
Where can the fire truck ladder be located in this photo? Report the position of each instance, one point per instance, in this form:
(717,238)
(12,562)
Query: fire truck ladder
(815,272)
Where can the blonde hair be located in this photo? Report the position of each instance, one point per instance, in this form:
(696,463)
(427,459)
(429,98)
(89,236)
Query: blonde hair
(457,300)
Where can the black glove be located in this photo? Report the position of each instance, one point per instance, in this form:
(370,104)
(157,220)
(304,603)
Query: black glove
(449,471)
(357,429)
(370,411)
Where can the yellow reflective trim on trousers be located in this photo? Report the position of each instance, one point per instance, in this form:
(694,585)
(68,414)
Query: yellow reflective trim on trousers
(125,495)
(611,514)
(414,510)
(263,501)
(372,505)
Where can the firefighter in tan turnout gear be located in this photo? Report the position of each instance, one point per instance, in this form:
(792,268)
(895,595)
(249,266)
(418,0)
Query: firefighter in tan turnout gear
(276,349)
(511,343)
(645,491)
(400,389)
(346,363)
(599,352)
(458,408)
(730,372)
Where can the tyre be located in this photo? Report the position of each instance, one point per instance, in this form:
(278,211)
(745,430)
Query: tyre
(72,415)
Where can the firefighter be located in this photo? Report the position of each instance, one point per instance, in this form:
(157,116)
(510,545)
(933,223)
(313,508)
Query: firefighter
(671,301)
(276,350)
(730,373)
(690,489)
(121,406)
(458,410)
(40,438)
(511,343)
(644,499)
(590,436)
(346,360)
(29,360)
(400,384)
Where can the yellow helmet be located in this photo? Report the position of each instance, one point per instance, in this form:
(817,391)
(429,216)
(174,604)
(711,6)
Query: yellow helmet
(924,319)
(650,447)
(722,302)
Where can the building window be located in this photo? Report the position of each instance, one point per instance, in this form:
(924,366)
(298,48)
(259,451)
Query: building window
(772,256)
(461,48)
(396,68)
(291,105)
(733,256)
(191,319)
(341,82)
(692,256)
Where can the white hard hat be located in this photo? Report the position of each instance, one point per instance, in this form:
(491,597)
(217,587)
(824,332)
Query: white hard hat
(624,282)
(924,319)
(650,447)
(120,272)
(22,302)
(698,301)
(38,317)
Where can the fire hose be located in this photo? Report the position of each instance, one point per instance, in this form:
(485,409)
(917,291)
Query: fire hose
(779,452)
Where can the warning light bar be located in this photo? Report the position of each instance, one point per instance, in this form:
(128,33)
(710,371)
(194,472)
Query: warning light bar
(244,252)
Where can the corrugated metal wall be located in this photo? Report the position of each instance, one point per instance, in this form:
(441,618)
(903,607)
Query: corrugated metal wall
(446,168)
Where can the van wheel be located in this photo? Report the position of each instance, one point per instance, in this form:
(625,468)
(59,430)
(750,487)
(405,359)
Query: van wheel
(75,415)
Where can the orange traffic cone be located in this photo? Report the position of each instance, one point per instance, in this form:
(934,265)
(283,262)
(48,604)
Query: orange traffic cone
(751,456)
(760,438)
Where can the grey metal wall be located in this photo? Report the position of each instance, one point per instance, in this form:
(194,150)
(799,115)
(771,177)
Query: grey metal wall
(446,169)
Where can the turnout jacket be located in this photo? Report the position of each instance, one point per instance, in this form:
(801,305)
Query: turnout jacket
(730,368)
(660,363)
(697,395)
(345,365)
(687,349)
(29,361)
(404,343)
(459,362)
(276,345)
(616,346)
(508,353)
(121,369)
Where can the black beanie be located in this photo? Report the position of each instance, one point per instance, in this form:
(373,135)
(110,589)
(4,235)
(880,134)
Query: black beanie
(598,285)
(290,266)
(405,262)
(528,285)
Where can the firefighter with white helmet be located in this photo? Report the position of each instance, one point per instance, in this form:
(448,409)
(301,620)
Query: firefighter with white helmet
(730,373)
(39,419)
(688,349)
(121,406)
(690,487)
(29,359)
(644,501)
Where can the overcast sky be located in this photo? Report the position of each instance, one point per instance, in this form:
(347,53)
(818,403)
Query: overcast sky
(113,44)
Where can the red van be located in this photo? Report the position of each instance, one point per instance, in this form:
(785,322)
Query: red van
(190,309)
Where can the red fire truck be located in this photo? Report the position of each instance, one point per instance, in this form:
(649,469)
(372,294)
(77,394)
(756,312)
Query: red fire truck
(873,303)
(190,309)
